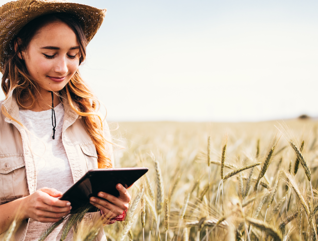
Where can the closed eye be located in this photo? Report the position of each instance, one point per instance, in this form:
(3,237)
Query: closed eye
(49,56)
(72,56)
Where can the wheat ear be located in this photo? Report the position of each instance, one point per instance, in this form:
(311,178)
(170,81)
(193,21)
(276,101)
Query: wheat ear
(248,182)
(209,151)
(225,164)
(223,160)
(273,192)
(127,228)
(296,190)
(265,166)
(276,234)
(50,229)
(149,188)
(160,195)
(167,213)
(233,173)
(143,212)
(257,148)
(10,231)
(288,220)
(302,160)
(204,191)
(297,159)
(248,202)
(73,219)
(92,234)
(134,205)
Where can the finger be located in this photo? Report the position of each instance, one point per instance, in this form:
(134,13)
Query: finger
(54,209)
(114,200)
(41,215)
(51,191)
(123,193)
(109,210)
(52,201)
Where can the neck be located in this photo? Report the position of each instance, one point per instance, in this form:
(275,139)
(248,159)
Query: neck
(43,101)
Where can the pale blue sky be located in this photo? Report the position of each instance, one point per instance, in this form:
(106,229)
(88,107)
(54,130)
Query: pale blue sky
(205,60)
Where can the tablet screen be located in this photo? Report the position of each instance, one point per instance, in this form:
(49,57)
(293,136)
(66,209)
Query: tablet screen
(101,180)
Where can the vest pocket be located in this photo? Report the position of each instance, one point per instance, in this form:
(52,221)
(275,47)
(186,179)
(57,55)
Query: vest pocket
(12,177)
(90,154)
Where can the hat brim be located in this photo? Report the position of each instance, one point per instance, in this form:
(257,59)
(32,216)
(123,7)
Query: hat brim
(16,17)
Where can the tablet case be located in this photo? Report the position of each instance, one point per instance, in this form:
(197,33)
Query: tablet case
(100,180)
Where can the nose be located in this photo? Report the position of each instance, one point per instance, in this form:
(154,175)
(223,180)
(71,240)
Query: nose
(61,66)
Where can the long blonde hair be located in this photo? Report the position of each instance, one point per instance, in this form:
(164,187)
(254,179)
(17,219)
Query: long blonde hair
(79,96)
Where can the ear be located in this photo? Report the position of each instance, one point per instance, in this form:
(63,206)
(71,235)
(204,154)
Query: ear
(17,48)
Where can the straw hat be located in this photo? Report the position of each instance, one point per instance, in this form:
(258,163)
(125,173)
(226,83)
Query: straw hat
(16,14)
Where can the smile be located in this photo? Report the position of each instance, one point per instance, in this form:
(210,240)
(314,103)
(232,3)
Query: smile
(56,79)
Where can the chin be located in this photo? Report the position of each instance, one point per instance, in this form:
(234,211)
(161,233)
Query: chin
(57,87)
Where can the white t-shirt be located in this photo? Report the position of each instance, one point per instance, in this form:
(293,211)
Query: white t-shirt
(52,166)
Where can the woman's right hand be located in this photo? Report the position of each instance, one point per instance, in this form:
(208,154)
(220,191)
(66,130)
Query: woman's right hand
(45,206)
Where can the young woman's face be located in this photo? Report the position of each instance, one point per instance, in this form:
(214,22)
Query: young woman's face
(52,56)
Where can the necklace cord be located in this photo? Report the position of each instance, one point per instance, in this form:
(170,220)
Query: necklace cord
(53,117)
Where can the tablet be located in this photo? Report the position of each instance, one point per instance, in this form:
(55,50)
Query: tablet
(100,180)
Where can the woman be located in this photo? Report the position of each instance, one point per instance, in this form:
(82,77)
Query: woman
(50,133)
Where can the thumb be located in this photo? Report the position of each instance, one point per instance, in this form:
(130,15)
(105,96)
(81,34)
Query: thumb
(51,191)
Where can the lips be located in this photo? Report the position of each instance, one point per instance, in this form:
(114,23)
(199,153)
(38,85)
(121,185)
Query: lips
(56,79)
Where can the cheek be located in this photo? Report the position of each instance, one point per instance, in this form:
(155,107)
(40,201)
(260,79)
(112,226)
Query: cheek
(38,67)
(72,68)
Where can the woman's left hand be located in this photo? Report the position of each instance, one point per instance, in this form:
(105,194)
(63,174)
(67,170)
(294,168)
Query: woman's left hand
(110,205)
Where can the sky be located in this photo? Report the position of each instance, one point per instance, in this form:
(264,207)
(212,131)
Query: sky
(204,60)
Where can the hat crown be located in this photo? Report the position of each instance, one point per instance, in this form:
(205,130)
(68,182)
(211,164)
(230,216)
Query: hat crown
(23,3)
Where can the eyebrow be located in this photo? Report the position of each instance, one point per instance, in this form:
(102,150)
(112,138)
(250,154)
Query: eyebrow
(57,48)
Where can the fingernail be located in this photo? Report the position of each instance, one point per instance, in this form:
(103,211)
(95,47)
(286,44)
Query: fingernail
(93,199)
(68,204)
(101,194)
(70,207)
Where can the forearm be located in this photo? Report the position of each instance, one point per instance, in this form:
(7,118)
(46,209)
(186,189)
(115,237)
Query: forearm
(11,211)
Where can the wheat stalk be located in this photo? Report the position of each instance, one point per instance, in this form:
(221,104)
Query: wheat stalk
(151,207)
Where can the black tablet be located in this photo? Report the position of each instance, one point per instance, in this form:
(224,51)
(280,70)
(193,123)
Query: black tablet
(100,180)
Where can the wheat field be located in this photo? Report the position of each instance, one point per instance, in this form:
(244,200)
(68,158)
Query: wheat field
(218,181)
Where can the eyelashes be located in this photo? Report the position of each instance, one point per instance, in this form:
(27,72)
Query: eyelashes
(49,56)
(52,56)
